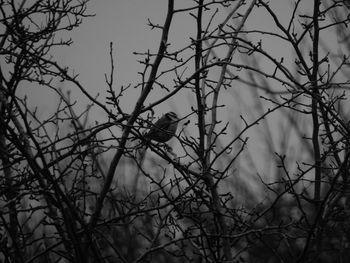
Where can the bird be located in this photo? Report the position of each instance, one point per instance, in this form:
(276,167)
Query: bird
(163,129)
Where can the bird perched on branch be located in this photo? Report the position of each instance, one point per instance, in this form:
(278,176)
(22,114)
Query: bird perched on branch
(163,129)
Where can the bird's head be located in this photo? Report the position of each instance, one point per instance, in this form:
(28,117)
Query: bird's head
(172,116)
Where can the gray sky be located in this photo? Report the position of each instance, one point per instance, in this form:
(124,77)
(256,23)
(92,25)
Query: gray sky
(124,22)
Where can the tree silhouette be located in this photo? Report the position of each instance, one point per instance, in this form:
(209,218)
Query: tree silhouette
(257,171)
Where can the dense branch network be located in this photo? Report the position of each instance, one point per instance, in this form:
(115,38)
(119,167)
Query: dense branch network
(258,168)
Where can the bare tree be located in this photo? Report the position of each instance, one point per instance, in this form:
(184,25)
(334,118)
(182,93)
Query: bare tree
(260,168)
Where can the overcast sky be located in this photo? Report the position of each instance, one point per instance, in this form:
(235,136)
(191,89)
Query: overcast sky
(124,22)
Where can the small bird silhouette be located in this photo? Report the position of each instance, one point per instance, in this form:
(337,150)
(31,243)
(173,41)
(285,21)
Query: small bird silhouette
(163,129)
